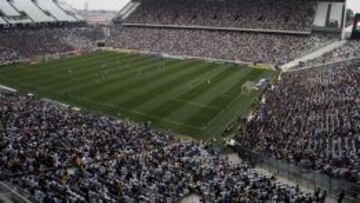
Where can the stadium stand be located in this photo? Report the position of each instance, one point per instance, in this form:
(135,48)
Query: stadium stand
(19,20)
(336,14)
(70,11)
(12,15)
(310,118)
(321,12)
(27,42)
(2,21)
(72,156)
(349,50)
(37,12)
(261,14)
(58,13)
(8,9)
(21,44)
(32,10)
(320,131)
(246,47)
(329,16)
(270,32)
(126,11)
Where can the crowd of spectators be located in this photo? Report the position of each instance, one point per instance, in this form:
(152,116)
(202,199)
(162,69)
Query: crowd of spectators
(274,49)
(25,43)
(297,15)
(55,154)
(351,49)
(311,118)
(7,54)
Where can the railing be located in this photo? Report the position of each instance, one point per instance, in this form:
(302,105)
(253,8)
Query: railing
(322,45)
(237,29)
(40,57)
(13,195)
(319,65)
(303,177)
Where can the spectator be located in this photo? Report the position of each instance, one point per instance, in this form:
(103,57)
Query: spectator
(246,47)
(256,14)
(60,155)
(350,49)
(311,118)
(18,44)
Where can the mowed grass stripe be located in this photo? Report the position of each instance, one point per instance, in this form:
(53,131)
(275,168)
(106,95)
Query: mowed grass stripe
(136,115)
(95,65)
(100,76)
(205,115)
(155,118)
(44,73)
(19,70)
(122,71)
(166,102)
(166,87)
(204,86)
(175,103)
(122,87)
(85,76)
(75,72)
(236,89)
(241,106)
(148,87)
(208,92)
(119,80)
(40,71)
(214,90)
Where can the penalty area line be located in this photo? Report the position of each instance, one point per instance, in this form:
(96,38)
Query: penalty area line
(144,114)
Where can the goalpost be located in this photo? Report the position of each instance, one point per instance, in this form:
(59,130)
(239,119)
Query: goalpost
(248,87)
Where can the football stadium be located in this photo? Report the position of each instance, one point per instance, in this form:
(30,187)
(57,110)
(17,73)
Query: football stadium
(244,101)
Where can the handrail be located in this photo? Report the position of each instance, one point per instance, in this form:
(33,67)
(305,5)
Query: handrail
(14,194)
(319,65)
(301,176)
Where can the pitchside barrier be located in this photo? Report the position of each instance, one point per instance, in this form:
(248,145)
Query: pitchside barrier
(306,178)
(14,62)
(184,57)
(15,195)
(234,29)
(324,64)
(40,58)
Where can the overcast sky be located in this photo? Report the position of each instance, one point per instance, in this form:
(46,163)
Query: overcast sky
(355,5)
(117,4)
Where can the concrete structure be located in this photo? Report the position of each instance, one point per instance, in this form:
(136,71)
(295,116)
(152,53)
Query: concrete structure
(58,13)
(36,12)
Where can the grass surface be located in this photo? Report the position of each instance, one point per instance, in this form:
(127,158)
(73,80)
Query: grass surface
(189,97)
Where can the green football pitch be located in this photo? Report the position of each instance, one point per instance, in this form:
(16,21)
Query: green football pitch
(189,97)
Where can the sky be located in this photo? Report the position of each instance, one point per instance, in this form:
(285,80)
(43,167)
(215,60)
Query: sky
(118,4)
(355,5)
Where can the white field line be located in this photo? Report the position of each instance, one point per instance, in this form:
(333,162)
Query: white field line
(141,113)
(8,88)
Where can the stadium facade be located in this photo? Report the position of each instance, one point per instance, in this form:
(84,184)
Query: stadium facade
(37,12)
(329,16)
